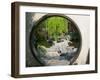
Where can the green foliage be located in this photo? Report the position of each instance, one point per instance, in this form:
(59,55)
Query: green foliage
(55,26)
(75,38)
(42,50)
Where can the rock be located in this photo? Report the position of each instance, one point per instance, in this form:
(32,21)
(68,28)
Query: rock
(52,54)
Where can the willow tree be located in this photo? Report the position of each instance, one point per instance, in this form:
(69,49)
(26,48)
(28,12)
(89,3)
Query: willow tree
(55,26)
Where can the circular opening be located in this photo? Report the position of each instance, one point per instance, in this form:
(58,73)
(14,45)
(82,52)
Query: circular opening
(55,40)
